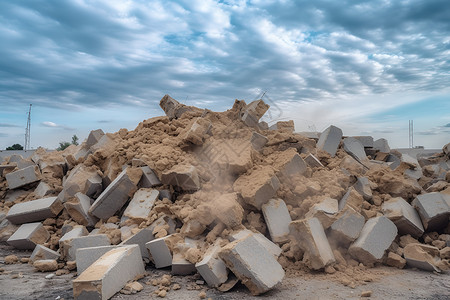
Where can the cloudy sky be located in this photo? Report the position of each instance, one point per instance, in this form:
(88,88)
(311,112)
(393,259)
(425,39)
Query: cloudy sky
(365,66)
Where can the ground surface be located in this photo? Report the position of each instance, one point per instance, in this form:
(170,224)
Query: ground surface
(404,284)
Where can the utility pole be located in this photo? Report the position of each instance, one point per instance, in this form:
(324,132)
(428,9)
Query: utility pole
(411,134)
(28,131)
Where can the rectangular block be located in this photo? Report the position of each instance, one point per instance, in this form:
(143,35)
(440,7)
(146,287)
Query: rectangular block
(87,256)
(182,176)
(404,216)
(160,252)
(78,209)
(35,210)
(258,269)
(28,236)
(42,252)
(382,145)
(69,249)
(329,140)
(23,177)
(66,240)
(141,238)
(272,248)
(43,189)
(365,140)
(289,163)
(180,266)
(140,206)
(353,147)
(313,161)
(347,227)
(325,211)
(433,210)
(149,178)
(109,274)
(212,269)
(277,219)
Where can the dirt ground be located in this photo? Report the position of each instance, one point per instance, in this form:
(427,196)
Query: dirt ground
(397,284)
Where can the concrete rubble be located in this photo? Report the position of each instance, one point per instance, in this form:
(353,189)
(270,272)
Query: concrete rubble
(223,195)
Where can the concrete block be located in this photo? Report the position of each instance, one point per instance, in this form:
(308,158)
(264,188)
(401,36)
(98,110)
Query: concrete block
(15,158)
(78,209)
(182,176)
(7,229)
(160,252)
(257,269)
(290,165)
(351,198)
(23,177)
(69,247)
(197,131)
(404,216)
(393,161)
(42,252)
(424,257)
(258,141)
(43,189)
(74,232)
(212,269)
(180,266)
(93,187)
(28,236)
(313,161)
(310,237)
(347,227)
(325,211)
(363,186)
(140,206)
(85,257)
(149,178)
(415,170)
(82,152)
(272,248)
(6,167)
(81,179)
(94,137)
(165,194)
(354,147)
(253,112)
(109,274)
(376,237)
(433,210)
(329,140)
(116,194)
(12,195)
(141,238)
(22,164)
(382,145)
(35,210)
(366,140)
(277,219)
(166,222)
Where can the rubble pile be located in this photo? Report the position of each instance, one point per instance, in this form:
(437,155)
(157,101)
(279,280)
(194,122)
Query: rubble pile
(222,194)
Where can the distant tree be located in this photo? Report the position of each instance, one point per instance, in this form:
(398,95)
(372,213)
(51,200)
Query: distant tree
(75,140)
(15,147)
(63,145)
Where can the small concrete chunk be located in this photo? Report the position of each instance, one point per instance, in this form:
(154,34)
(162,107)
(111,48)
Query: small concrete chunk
(433,210)
(382,145)
(149,178)
(365,140)
(310,237)
(140,205)
(292,166)
(23,177)
(424,257)
(140,238)
(325,211)
(212,269)
(258,141)
(404,216)
(94,137)
(160,252)
(116,194)
(277,219)
(78,209)
(376,237)
(182,176)
(28,236)
(414,171)
(87,256)
(69,248)
(329,140)
(42,252)
(271,247)
(43,189)
(93,186)
(35,210)
(253,112)
(258,270)
(109,274)
(351,198)
(362,186)
(348,227)
(354,147)
(313,161)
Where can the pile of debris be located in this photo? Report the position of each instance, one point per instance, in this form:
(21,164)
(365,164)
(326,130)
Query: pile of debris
(222,194)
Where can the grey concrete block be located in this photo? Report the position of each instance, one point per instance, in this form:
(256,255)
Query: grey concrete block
(93,187)
(42,252)
(325,211)
(433,210)
(23,177)
(70,246)
(165,194)
(382,145)
(415,170)
(180,266)
(295,165)
(12,195)
(78,209)
(114,196)
(141,238)
(71,233)
(160,252)
(271,247)
(376,237)
(310,237)
(140,205)
(263,189)
(81,179)
(258,141)
(149,178)
(347,227)
(85,257)
(354,147)
(28,236)
(365,140)
(212,269)
(15,158)
(6,167)
(94,137)
(35,210)
(253,112)
(277,219)
(252,264)
(109,274)
(404,216)
(329,140)
(313,161)
(362,186)
(182,176)
(43,189)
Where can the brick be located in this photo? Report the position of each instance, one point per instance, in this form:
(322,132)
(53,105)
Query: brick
(70,246)
(258,141)
(365,140)
(424,257)
(140,206)
(271,247)
(42,252)
(329,140)
(313,161)
(347,227)
(354,147)
(182,176)
(433,210)
(109,274)
(325,211)
(253,112)
(85,257)
(78,209)
(140,238)
(310,237)
(94,137)
(160,252)
(404,216)
(28,236)
(375,238)
(257,269)
(363,186)
(212,269)
(116,194)
(35,210)
(277,219)
(23,177)
(149,178)
(382,145)
(7,229)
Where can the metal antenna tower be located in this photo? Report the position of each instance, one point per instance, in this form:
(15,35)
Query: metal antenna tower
(27,131)
(411,133)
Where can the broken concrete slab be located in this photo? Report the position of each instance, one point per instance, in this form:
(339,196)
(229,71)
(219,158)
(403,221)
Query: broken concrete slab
(313,161)
(182,176)
(140,206)
(87,256)
(94,137)
(291,164)
(329,140)
(257,269)
(375,238)
(394,161)
(424,257)
(382,145)
(72,233)
(42,252)
(271,247)
(404,216)
(363,186)
(149,178)
(351,198)
(310,237)
(181,266)
(253,112)
(258,141)
(35,210)
(81,179)
(277,219)
(116,194)
(365,140)
(212,269)
(78,209)
(160,252)
(325,211)
(140,238)
(28,236)
(414,170)
(93,187)
(109,274)
(354,147)
(43,189)
(347,228)
(433,210)
(23,177)
(175,109)
(70,246)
